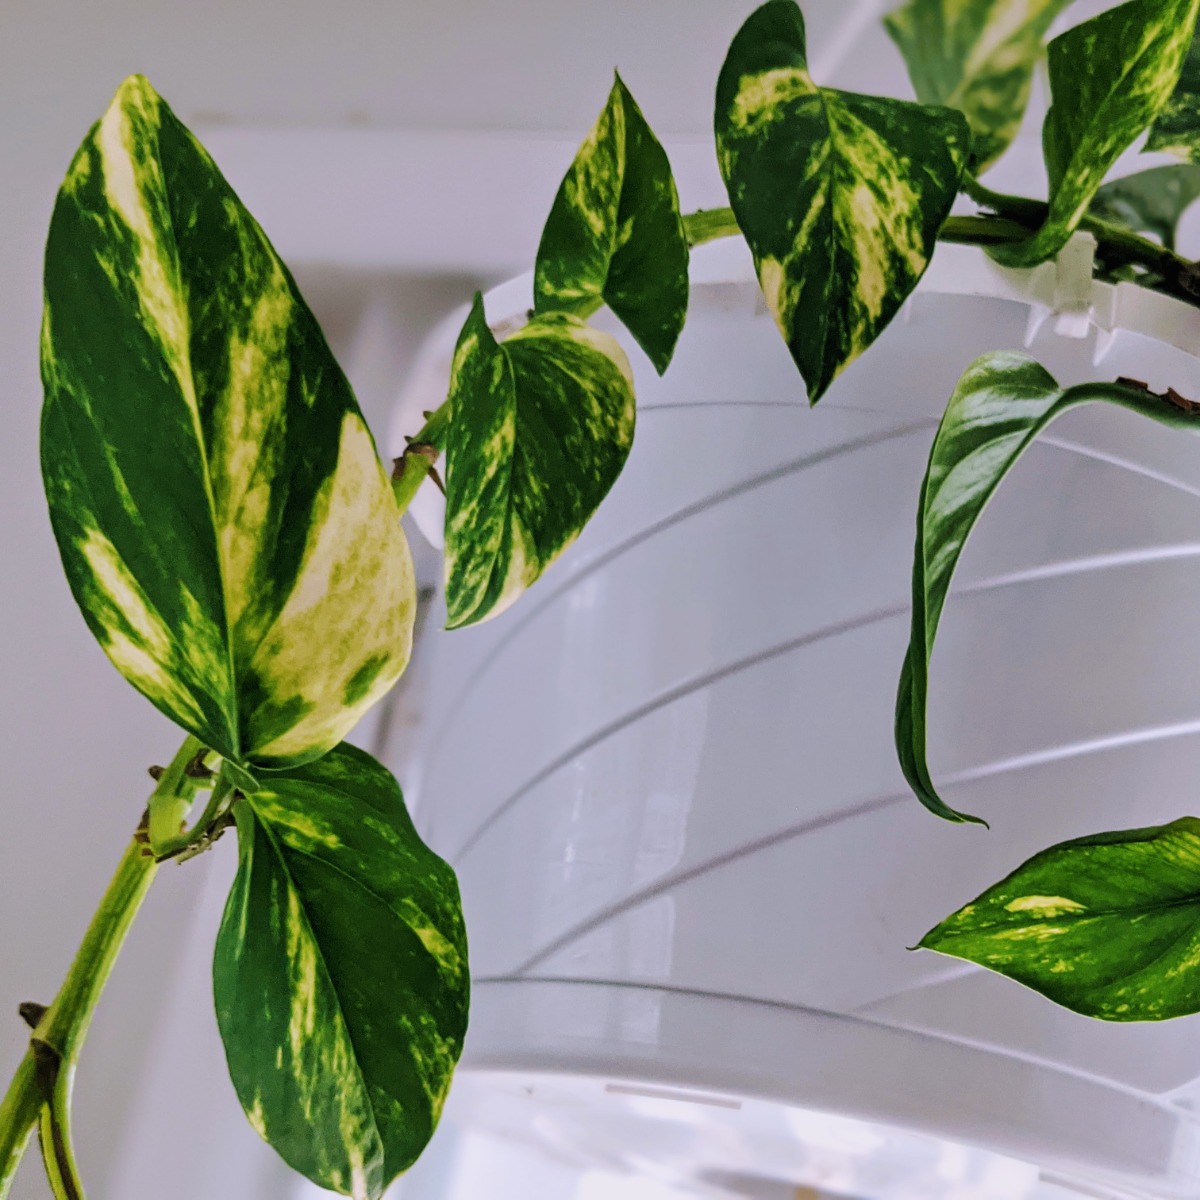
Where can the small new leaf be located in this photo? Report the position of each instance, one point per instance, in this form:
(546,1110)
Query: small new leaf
(1151,201)
(1109,78)
(1108,925)
(1177,130)
(222,515)
(615,234)
(840,196)
(541,425)
(978,58)
(1002,402)
(340,974)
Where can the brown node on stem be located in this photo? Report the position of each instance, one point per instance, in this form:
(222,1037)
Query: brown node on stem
(156,772)
(31,1012)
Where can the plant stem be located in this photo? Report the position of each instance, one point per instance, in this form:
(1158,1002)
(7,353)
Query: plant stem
(46,1072)
(171,800)
(419,458)
(708,224)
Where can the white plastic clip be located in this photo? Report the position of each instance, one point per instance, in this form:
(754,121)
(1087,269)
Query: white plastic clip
(1073,286)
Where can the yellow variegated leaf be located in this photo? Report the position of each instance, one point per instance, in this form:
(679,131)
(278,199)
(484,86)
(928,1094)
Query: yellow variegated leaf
(541,425)
(840,196)
(340,973)
(223,518)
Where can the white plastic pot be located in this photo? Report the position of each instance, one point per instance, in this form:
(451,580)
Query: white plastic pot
(690,865)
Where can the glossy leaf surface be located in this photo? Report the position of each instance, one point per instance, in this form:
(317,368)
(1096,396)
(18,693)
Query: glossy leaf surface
(615,234)
(978,58)
(1151,201)
(1107,925)
(1109,78)
(840,196)
(221,512)
(541,425)
(1177,129)
(340,973)
(1003,401)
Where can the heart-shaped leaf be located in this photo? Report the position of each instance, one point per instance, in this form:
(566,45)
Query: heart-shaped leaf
(340,973)
(1107,925)
(978,58)
(222,515)
(1109,78)
(1002,402)
(1150,201)
(840,196)
(1177,129)
(615,235)
(541,425)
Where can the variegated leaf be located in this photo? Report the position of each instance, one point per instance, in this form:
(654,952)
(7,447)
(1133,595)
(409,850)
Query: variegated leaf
(1107,925)
(1177,129)
(221,512)
(541,425)
(840,196)
(615,235)
(340,973)
(978,57)
(1150,201)
(1002,402)
(1109,78)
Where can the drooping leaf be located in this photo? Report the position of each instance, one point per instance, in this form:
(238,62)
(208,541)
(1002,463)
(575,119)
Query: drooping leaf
(340,973)
(1107,925)
(222,515)
(976,57)
(541,425)
(1177,129)
(615,234)
(840,196)
(1109,78)
(1150,201)
(1002,402)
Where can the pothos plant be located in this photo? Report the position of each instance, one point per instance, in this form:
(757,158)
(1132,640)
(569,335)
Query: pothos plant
(235,544)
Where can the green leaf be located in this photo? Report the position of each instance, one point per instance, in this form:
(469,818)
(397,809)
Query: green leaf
(1107,925)
(1177,129)
(340,973)
(1150,201)
(1002,402)
(1109,78)
(222,515)
(976,57)
(840,196)
(615,235)
(541,425)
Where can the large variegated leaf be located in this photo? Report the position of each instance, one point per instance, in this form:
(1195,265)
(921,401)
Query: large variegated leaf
(1151,201)
(977,57)
(1003,401)
(540,428)
(222,515)
(840,196)
(340,973)
(1109,78)
(615,235)
(1107,925)
(1177,129)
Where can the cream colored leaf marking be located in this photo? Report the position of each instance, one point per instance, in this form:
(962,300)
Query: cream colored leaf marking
(1045,906)
(336,619)
(129,183)
(760,94)
(134,636)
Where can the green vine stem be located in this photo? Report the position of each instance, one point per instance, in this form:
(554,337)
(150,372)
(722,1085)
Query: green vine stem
(171,800)
(419,458)
(45,1074)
